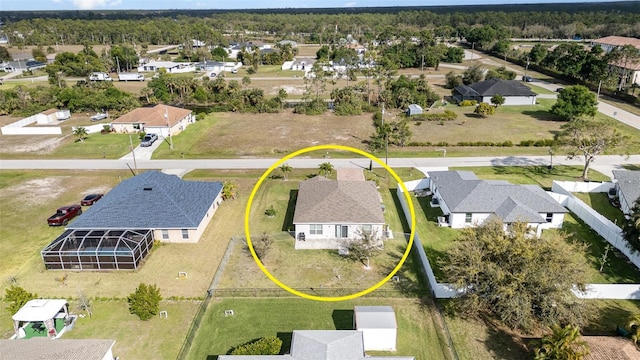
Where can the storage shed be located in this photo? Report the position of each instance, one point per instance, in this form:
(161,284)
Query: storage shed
(414,109)
(378,325)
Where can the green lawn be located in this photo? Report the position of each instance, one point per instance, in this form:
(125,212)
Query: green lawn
(256,318)
(96,146)
(600,203)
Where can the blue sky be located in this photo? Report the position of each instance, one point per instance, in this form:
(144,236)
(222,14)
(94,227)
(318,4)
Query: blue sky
(246,4)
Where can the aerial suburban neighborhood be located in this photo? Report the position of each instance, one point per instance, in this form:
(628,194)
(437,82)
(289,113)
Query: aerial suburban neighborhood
(320,181)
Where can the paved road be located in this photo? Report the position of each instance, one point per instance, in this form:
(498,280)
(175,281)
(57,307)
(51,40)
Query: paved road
(614,161)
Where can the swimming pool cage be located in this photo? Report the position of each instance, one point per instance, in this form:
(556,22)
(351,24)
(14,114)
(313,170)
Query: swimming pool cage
(98,249)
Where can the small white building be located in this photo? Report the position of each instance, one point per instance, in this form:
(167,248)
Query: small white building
(170,66)
(378,325)
(46,316)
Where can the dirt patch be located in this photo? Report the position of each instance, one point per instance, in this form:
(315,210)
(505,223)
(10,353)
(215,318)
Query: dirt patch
(29,143)
(291,90)
(36,191)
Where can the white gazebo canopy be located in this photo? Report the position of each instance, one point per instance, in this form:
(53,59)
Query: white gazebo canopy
(40,310)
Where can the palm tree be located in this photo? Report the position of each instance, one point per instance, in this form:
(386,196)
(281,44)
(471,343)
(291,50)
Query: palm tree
(497,100)
(564,343)
(229,190)
(634,327)
(286,169)
(81,133)
(631,227)
(326,169)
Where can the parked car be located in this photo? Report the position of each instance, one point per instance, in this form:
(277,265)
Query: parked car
(559,90)
(213,75)
(64,214)
(148,140)
(527,78)
(90,199)
(234,71)
(99,116)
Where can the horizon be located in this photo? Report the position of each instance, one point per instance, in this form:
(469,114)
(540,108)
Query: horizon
(138,5)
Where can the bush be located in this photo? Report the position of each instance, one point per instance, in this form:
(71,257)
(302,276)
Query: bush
(447,115)
(468,103)
(270,212)
(17,297)
(264,346)
(145,301)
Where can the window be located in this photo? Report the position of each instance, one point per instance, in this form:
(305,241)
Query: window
(185,233)
(549,217)
(315,229)
(366,229)
(165,234)
(467,218)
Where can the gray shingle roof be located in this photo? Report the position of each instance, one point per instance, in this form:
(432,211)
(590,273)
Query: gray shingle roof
(466,91)
(151,200)
(629,184)
(59,349)
(464,193)
(375,317)
(497,87)
(322,201)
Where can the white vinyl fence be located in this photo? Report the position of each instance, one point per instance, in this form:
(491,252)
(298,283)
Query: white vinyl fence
(19,128)
(605,228)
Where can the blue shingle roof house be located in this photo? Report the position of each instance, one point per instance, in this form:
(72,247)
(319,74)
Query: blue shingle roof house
(118,231)
(467,201)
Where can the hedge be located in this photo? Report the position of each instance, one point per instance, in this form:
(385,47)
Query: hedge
(447,115)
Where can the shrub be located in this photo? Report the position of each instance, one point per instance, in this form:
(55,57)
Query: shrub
(447,115)
(264,346)
(468,103)
(270,212)
(145,301)
(17,297)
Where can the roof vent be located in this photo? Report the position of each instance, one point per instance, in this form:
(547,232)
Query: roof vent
(147,188)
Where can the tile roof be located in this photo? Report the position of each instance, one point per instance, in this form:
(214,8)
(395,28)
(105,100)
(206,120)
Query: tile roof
(322,201)
(629,184)
(463,192)
(151,200)
(618,41)
(59,349)
(153,116)
(501,87)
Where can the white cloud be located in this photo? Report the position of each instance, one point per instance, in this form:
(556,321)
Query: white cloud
(89,4)
(56,1)
(350,4)
(115,3)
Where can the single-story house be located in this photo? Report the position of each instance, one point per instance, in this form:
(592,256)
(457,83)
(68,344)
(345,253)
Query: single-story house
(414,109)
(468,201)
(208,65)
(322,345)
(171,67)
(329,210)
(162,120)
(378,325)
(61,349)
(118,231)
(41,318)
(627,188)
(513,92)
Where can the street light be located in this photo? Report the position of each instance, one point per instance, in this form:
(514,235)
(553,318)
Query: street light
(551,159)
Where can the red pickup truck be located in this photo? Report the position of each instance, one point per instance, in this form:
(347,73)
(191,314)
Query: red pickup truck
(64,214)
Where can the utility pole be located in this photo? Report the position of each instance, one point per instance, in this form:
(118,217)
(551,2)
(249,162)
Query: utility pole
(526,67)
(386,139)
(166,118)
(598,94)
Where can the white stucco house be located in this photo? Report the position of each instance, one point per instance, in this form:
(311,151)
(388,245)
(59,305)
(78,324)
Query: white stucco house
(171,67)
(514,92)
(162,120)
(627,184)
(468,201)
(328,211)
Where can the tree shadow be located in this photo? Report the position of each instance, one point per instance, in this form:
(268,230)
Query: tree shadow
(609,318)
(543,115)
(505,344)
(343,319)
(287,224)
(212,357)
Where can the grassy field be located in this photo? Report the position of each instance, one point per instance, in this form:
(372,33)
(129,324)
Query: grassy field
(255,318)
(29,197)
(600,203)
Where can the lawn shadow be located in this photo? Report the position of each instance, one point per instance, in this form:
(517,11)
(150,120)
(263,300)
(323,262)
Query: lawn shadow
(286,342)
(287,224)
(609,318)
(632,167)
(342,319)
(212,357)
(543,115)
(504,344)
(398,205)
(409,287)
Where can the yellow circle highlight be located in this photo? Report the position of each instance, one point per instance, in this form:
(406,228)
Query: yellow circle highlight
(329,298)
